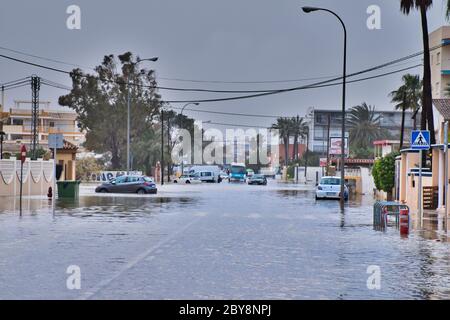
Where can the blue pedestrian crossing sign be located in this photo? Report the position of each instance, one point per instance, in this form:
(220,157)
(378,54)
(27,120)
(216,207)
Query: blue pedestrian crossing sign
(420,140)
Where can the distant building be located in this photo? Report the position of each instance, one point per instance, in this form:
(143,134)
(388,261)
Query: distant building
(440,71)
(318,126)
(384,147)
(17,125)
(440,61)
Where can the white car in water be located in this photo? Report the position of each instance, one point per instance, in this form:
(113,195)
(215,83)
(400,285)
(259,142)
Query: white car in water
(330,188)
(188,179)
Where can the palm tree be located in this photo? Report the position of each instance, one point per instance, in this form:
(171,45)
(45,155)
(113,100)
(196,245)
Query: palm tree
(284,128)
(406,7)
(299,130)
(364,126)
(407,97)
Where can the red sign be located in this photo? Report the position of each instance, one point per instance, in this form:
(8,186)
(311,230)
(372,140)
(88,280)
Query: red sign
(23,153)
(323,162)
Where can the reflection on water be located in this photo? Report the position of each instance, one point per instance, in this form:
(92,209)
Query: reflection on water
(88,206)
(275,242)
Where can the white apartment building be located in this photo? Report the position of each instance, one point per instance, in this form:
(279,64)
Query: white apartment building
(17,125)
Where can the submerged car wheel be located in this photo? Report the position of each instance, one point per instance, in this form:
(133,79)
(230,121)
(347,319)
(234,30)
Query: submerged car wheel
(141,191)
(103,191)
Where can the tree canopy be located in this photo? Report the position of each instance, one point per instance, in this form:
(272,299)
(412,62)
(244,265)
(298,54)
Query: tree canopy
(364,126)
(100,100)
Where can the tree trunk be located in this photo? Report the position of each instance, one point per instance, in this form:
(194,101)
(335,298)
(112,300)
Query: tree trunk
(295,148)
(286,151)
(115,158)
(427,91)
(402,131)
(389,196)
(115,161)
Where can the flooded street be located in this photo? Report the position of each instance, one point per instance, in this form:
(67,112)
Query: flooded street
(214,242)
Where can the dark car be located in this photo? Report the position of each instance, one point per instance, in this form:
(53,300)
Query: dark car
(258,179)
(128,184)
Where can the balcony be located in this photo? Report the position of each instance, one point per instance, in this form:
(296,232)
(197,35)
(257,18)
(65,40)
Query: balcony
(13,129)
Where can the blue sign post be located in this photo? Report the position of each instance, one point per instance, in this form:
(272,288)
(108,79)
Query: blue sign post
(420,140)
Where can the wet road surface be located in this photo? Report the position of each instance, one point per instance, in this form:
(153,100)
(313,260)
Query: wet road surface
(214,242)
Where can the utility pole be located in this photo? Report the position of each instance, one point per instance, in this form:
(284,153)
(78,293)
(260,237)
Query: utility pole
(168,147)
(306,156)
(128,123)
(3,99)
(328,144)
(35,87)
(182,127)
(257,150)
(162,147)
(134,64)
(446,173)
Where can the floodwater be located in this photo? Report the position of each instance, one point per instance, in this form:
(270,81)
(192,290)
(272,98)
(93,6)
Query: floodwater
(215,242)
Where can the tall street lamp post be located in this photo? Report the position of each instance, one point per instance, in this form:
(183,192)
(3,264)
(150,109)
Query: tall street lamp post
(344,80)
(129,110)
(182,125)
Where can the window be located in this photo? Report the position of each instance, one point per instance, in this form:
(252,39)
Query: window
(16,137)
(320,133)
(319,119)
(122,179)
(330,181)
(438,58)
(51,124)
(17,122)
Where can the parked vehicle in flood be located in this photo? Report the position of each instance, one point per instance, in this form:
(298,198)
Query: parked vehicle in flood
(188,179)
(257,179)
(330,188)
(128,184)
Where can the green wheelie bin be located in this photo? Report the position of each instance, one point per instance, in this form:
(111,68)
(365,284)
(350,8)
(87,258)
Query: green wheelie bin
(69,189)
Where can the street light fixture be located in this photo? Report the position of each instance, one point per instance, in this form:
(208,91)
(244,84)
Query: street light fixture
(154,59)
(182,125)
(344,79)
(129,109)
(310,9)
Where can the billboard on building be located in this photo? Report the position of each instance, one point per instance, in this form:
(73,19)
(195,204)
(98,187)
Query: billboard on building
(335,146)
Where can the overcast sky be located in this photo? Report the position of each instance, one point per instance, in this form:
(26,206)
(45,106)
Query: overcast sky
(232,40)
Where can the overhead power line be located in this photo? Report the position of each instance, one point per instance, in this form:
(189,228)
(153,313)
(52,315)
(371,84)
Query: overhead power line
(179,79)
(16,84)
(44,58)
(14,81)
(237,125)
(255,93)
(321,84)
(230,113)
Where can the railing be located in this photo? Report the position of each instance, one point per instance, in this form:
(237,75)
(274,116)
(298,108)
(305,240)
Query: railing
(353,172)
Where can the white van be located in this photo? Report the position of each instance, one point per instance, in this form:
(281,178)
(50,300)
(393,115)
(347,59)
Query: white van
(206,176)
(206,173)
